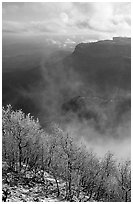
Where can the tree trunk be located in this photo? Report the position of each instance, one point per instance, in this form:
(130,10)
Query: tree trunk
(20,156)
(58,190)
(69,181)
(69,189)
(57,185)
(126,195)
(90,195)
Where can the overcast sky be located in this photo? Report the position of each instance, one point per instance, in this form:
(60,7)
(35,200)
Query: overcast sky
(98,19)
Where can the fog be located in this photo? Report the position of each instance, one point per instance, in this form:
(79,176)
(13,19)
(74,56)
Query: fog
(108,127)
(117,142)
(111,132)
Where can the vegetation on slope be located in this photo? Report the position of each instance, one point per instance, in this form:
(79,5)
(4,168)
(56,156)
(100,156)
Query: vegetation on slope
(29,153)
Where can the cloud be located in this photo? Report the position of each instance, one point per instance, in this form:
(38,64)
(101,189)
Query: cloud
(69,41)
(68,18)
(104,17)
(30,27)
(14,27)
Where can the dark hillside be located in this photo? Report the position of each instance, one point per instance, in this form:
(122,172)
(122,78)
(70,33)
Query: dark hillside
(43,87)
(16,88)
(106,64)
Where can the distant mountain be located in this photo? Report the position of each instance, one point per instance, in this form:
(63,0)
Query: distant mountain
(105,68)
(103,114)
(61,84)
(16,88)
(25,77)
(105,64)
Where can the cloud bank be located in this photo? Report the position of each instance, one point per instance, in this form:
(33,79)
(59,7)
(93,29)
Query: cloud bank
(103,19)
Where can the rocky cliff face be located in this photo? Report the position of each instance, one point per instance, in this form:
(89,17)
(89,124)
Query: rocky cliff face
(100,69)
(118,47)
(105,68)
(105,63)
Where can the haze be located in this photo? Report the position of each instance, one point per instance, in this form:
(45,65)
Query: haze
(41,71)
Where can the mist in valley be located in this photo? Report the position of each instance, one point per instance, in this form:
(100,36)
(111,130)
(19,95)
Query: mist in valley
(66,101)
(102,125)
